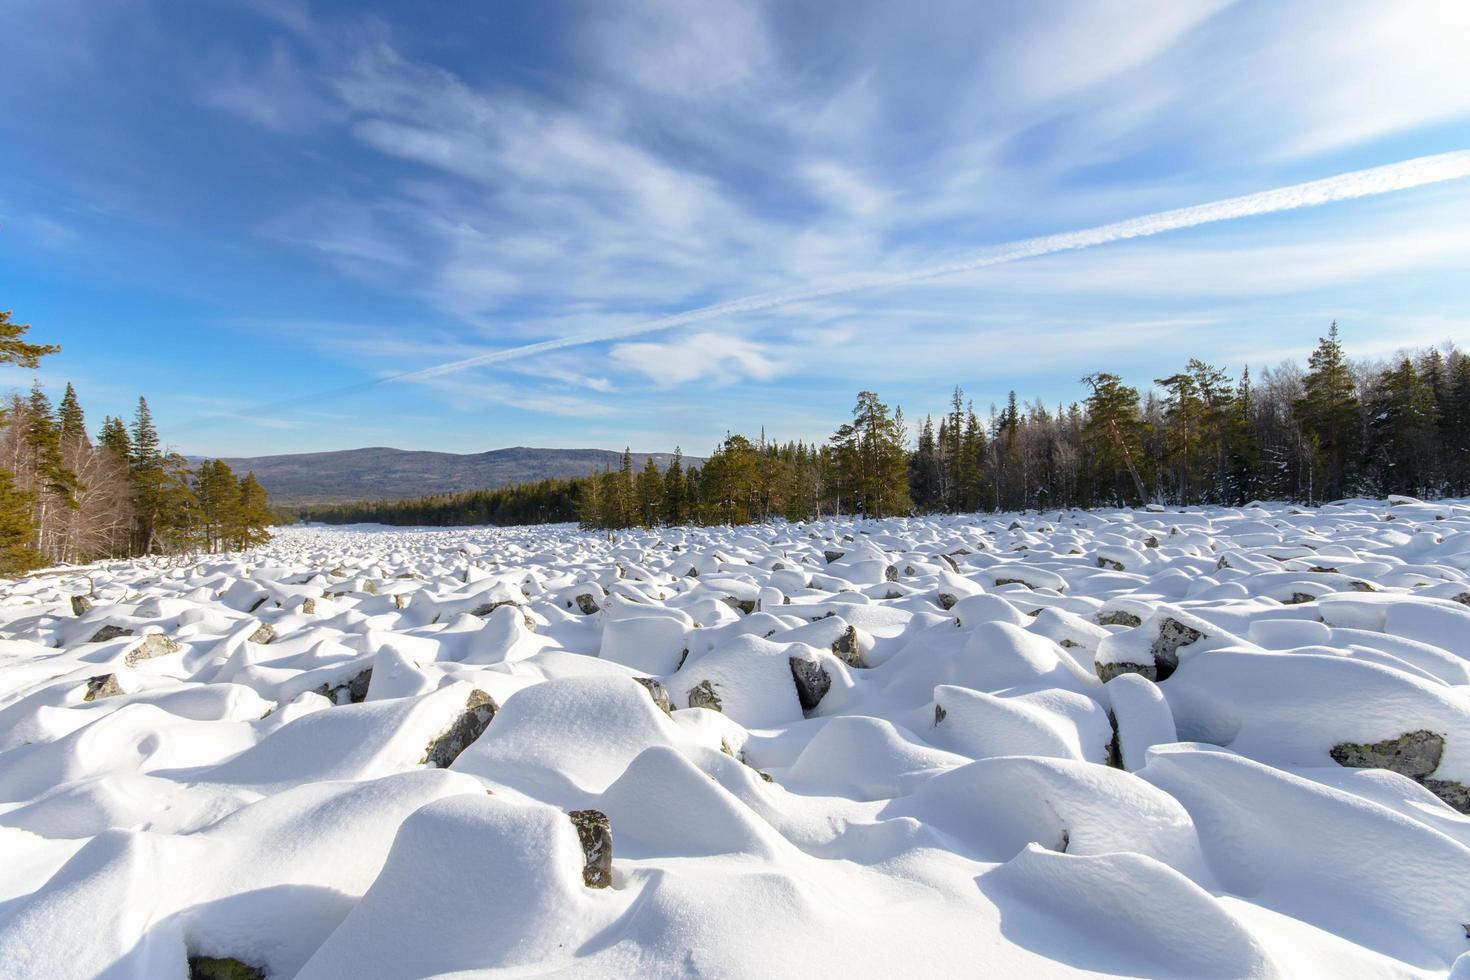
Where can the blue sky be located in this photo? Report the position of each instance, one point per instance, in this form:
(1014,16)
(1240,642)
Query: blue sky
(231,206)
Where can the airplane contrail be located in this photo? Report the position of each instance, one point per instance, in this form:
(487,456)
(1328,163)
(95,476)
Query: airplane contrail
(1386,179)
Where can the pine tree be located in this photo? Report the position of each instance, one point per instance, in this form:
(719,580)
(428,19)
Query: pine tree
(1113,434)
(14,350)
(872,463)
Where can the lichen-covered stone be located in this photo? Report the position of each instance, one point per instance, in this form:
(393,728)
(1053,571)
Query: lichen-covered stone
(1172,635)
(478,711)
(812,681)
(1109,563)
(594,831)
(1413,754)
(702,695)
(102,686)
(110,632)
(222,968)
(1107,672)
(264,633)
(352,691)
(1119,618)
(80,604)
(658,692)
(153,645)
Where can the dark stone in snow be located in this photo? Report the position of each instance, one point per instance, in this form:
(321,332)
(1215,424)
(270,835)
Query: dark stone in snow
(351,691)
(1172,635)
(479,709)
(595,833)
(832,556)
(110,632)
(812,681)
(1119,618)
(80,604)
(587,603)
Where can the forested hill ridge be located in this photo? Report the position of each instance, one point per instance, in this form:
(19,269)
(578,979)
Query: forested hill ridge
(1332,429)
(381,473)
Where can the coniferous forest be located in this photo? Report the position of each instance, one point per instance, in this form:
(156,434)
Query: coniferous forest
(1330,429)
(66,497)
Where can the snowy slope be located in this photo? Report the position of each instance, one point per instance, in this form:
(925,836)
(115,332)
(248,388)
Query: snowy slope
(1213,743)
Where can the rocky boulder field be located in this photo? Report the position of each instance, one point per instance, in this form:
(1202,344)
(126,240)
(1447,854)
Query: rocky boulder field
(1202,743)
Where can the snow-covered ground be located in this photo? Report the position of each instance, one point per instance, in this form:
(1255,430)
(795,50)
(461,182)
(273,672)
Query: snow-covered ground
(1137,743)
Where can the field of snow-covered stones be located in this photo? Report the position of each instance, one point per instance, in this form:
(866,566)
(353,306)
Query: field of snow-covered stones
(1213,743)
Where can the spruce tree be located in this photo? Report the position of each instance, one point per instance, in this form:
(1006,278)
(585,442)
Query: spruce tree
(1329,416)
(18,554)
(70,418)
(676,492)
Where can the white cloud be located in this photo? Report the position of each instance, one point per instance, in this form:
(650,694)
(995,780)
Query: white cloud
(718,358)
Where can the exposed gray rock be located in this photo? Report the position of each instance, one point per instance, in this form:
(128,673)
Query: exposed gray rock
(595,833)
(1298,598)
(953,565)
(939,714)
(846,648)
(832,556)
(351,691)
(702,695)
(812,681)
(587,603)
(746,606)
(658,692)
(1011,581)
(264,633)
(102,686)
(947,600)
(153,645)
(1119,618)
(110,632)
(1108,563)
(308,606)
(1172,635)
(479,709)
(80,604)
(890,573)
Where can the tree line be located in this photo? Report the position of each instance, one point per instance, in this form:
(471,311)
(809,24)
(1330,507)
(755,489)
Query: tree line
(1330,429)
(67,498)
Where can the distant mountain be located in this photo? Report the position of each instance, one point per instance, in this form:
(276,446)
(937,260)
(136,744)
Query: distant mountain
(380,473)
